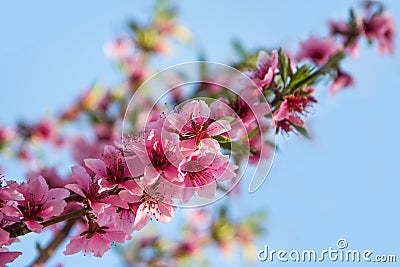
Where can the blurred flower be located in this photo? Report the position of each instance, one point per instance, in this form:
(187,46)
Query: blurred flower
(316,49)
(381,28)
(341,80)
(119,49)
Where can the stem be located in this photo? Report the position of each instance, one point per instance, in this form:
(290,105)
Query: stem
(47,252)
(72,215)
(322,70)
(73,198)
(19,228)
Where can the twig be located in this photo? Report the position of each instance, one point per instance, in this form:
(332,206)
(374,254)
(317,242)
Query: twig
(19,228)
(47,252)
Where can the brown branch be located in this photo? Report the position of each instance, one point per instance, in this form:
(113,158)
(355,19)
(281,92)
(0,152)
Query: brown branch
(47,252)
(19,228)
(73,198)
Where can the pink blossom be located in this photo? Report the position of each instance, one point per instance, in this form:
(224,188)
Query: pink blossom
(318,50)
(96,239)
(124,218)
(88,187)
(40,203)
(202,171)
(155,201)
(195,127)
(112,170)
(292,108)
(149,207)
(266,68)
(342,80)
(154,157)
(381,27)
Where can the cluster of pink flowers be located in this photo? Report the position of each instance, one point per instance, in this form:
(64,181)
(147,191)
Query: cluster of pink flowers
(30,202)
(186,154)
(179,153)
(178,156)
(292,109)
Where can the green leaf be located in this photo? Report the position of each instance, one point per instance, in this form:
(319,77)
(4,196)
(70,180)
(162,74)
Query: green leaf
(222,139)
(353,19)
(303,131)
(251,134)
(284,66)
(301,73)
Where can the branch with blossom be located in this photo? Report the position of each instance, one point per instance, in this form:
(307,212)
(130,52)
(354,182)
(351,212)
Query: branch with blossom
(171,156)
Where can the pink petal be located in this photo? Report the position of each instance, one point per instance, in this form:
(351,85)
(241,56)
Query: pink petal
(165,213)
(218,127)
(110,155)
(4,237)
(38,188)
(187,147)
(11,211)
(135,165)
(129,197)
(176,120)
(125,221)
(7,257)
(150,175)
(98,244)
(34,226)
(116,236)
(132,187)
(97,166)
(98,207)
(207,191)
(171,174)
(142,217)
(76,189)
(211,145)
(260,110)
(282,113)
(187,194)
(80,175)
(52,208)
(57,193)
(76,244)
(226,173)
(200,109)
(116,201)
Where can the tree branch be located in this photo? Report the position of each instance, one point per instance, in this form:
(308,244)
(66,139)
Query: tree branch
(19,228)
(47,252)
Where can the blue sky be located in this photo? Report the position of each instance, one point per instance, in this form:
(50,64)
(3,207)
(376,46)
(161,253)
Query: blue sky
(341,184)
